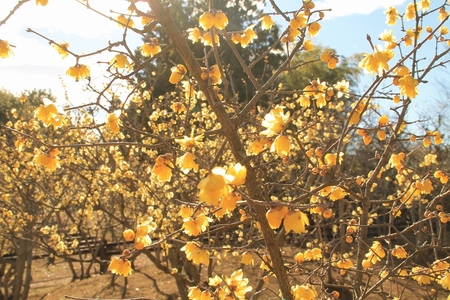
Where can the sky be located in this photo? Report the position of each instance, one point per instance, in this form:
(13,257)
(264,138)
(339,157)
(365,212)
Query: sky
(35,65)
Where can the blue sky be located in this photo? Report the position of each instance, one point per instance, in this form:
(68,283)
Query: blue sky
(36,65)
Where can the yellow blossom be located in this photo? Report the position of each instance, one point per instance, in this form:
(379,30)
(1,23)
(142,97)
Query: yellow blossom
(376,62)
(238,284)
(376,253)
(266,22)
(247,258)
(195,225)
(41,2)
(150,49)
(275,216)
(213,187)
(187,162)
(410,12)
(343,88)
(391,16)
(113,122)
(304,292)
(194,34)
(408,86)
(281,145)
(188,142)
(125,21)
(214,18)
(177,73)
(274,121)
(196,254)
(62,48)
(313,28)
(207,40)
(299,21)
(296,220)
(445,280)
(120,266)
(420,275)
(308,45)
(46,113)
(238,172)
(163,168)
(5,49)
(399,252)
(120,61)
(79,72)
(128,235)
(48,159)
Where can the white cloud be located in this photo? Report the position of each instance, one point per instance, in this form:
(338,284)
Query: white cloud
(35,65)
(344,8)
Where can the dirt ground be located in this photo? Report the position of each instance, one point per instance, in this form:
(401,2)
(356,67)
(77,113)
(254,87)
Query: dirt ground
(54,282)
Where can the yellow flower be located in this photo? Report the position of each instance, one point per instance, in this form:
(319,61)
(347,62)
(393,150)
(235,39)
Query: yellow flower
(239,172)
(376,253)
(41,2)
(391,16)
(274,121)
(313,254)
(238,284)
(48,159)
(213,187)
(46,114)
(408,86)
(295,220)
(213,75)
(445,280)
(389,39)
(410,12)
(304,292)
(113,122)
(120,266)
(195,225)
(330,58)
(281,145)
(299,21)
(343,88)
(344,263)
(308,45)
(376,62)
(399,252)
(266,22)
(177,73)
(247,258)
(188,142)
(128,235)
(313,28)
(275,216)
(196,253)
(125,22)
(62,48)
(425,5)
(120,61)
(187,162)
(79,72)
(214,18)
(420,275)
(150,49)
(163,167)
(194,34)
(5,49)
(437,137)
(207,40)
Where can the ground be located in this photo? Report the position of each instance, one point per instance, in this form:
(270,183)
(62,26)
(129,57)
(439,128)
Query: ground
(54,282)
